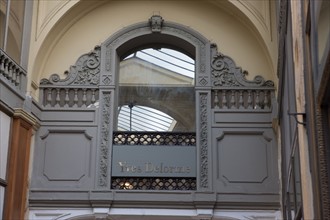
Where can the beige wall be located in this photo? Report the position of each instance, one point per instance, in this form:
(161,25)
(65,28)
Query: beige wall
(64,30)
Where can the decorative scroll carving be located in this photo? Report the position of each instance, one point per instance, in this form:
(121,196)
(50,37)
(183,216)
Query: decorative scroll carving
(85,72)
(104,141)
(156,23)
(203,142)
(225,73)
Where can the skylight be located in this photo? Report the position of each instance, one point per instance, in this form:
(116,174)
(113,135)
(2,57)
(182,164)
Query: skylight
(168,59)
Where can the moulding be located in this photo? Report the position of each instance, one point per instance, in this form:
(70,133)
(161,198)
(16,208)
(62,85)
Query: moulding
(147,213)
(22,114)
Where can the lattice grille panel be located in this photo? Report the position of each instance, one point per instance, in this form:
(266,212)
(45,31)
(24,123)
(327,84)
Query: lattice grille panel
(154,138)
(153,183)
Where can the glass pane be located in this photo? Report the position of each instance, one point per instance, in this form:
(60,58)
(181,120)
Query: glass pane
(156,92)
(2,198)
(15,31)
(142,118)
(4,137)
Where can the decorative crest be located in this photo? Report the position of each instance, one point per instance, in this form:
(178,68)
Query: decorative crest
(86,71)
(225,73)
(156,23)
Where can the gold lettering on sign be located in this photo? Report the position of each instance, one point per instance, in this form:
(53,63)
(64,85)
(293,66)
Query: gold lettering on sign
(124,167)
(152,168)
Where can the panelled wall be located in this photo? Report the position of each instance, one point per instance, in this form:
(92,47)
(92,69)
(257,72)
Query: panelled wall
(17,125)
(236,162)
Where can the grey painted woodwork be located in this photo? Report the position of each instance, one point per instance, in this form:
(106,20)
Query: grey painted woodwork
(12,83)
(237,161)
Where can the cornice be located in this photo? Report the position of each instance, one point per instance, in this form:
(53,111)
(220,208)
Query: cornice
(28,118)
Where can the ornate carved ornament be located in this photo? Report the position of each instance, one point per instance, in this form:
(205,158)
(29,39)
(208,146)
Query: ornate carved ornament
(104,141)
(204,164)
(86,71)
(156,23)
(225,73)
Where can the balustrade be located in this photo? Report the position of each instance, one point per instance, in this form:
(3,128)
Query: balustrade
(11,72)
(241,99)
(68,97)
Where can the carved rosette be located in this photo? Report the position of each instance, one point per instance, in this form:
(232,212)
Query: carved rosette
(225,73)
(104,140)
(86,71)
(203,142)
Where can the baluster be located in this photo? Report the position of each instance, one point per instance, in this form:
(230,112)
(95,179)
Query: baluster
(257,101)
(84,99)
(10,71)
(14,75)
(57,100)
(18,77)
(66,99)
(49,98)
(93,96)
(249,100)
(232,99)
(224,99)
(241,102)
(5,69)
(2,64)
(216,99)
(75,100)
(266,102)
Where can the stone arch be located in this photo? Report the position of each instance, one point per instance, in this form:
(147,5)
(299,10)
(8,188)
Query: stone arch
(157,32)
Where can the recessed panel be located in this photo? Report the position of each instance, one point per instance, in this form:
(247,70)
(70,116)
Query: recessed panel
(242,158)
(66,156)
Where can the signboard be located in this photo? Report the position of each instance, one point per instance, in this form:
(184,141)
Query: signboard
(153,161)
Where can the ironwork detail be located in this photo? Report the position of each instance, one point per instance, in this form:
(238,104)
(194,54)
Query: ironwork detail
(154,138)
(225,73)
(153,183)
(85,72)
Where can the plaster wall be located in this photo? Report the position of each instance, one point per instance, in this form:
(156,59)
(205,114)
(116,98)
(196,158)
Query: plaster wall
(62,30)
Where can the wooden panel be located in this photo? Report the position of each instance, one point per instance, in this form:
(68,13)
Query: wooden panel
(16,191)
